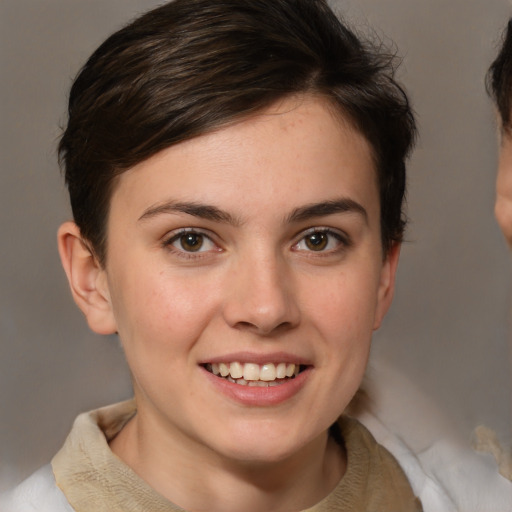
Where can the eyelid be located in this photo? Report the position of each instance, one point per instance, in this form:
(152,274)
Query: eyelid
(341,236)
(169,238)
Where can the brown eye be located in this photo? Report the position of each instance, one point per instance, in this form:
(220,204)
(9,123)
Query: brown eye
(317,241)
(191,242)
(323,241)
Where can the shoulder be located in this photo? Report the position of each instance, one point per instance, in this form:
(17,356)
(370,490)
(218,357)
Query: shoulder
(38,492)
(439,462)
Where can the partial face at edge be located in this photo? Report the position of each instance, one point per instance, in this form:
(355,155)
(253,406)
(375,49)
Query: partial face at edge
(259,243)
(503,206)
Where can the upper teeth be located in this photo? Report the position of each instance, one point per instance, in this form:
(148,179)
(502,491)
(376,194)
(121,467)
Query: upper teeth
(250,371)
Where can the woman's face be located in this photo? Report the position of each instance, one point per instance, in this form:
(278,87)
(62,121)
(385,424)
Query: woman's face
(245,276)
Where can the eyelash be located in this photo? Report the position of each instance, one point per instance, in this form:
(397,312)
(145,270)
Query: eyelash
(175,237)
(343,242)
(342,239)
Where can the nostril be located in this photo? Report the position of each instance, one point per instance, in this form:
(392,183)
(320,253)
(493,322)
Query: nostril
(264,330)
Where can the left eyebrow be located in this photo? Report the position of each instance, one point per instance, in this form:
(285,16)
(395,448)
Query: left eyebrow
(325,208)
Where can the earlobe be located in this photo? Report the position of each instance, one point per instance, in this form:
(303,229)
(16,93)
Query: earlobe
(87,279)
(387,284)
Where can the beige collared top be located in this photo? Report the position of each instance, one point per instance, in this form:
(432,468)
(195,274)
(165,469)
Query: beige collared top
(93,479)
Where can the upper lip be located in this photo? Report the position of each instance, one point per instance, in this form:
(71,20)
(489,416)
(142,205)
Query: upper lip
(251,357)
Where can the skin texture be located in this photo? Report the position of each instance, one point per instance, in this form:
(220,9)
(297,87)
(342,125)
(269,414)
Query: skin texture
(503,206)
(255,290)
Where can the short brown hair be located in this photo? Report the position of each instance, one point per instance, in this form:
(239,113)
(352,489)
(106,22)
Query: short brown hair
(191,66)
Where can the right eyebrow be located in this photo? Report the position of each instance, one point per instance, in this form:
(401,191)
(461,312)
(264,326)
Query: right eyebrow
(203,211)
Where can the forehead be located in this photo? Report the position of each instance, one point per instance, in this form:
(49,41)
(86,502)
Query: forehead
(291,153)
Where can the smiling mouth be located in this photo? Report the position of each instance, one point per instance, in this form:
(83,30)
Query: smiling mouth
(251,374)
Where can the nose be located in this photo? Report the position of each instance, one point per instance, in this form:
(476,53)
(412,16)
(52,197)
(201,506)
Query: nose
(261,297)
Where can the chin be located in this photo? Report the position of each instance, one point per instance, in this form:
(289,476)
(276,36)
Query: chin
(263,445)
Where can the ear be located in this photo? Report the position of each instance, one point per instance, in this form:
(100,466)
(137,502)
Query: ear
(386,289)
(87,279)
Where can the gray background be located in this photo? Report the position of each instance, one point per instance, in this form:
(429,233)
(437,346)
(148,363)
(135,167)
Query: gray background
(448,329)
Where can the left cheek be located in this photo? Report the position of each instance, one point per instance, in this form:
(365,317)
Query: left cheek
(350,306)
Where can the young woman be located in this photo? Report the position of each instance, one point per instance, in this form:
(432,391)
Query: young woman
(236,170)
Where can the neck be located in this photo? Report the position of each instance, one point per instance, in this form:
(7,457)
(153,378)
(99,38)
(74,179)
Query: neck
(196,478)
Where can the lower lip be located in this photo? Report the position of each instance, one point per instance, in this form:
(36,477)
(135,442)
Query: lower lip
(259,396)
